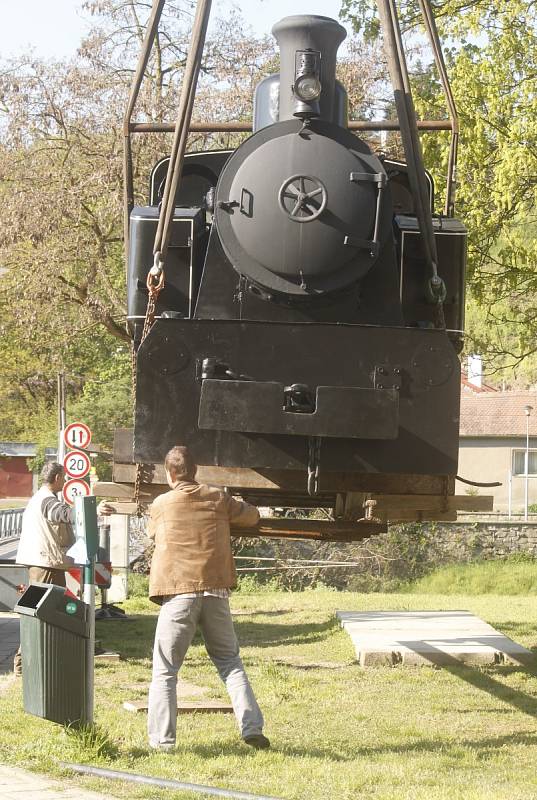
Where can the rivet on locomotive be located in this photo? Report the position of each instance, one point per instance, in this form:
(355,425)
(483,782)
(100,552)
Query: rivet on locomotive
(305,343)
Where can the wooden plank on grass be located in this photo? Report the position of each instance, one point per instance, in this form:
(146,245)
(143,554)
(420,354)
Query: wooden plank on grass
(185,707)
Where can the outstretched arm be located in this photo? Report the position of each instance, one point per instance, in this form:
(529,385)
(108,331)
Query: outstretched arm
(55,511)
(242,514)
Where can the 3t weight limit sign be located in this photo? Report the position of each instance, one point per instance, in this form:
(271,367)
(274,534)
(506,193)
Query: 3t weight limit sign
(74,488)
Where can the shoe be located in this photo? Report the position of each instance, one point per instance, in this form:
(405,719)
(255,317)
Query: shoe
(163,748)
(257,741)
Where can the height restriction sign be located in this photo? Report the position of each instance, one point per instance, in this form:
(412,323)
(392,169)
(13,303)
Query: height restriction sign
(77,435)
(76,464)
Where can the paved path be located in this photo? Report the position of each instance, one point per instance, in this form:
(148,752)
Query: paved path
(17,784)
(415,638)
(9,641)
(8,550)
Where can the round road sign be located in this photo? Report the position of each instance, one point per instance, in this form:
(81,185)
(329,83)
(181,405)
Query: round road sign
(77,435)
(76,464)
(75,488)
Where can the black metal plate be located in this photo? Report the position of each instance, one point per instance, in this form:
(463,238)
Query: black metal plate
(258,407)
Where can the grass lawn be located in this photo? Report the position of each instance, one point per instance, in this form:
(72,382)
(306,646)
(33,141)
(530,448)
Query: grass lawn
(337,731)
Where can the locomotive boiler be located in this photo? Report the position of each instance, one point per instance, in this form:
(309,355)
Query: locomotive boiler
(305,331)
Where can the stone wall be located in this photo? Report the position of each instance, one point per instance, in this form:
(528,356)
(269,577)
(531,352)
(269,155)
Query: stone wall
(470,539)
(404,553)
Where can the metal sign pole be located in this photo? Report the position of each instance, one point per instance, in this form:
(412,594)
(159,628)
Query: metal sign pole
(84,552)
(61,417)
(89,599)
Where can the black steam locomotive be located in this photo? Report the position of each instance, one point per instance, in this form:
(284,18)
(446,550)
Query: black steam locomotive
(296,347)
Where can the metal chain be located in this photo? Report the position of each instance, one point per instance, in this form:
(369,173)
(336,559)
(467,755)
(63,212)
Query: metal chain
(155,284)
(314,465)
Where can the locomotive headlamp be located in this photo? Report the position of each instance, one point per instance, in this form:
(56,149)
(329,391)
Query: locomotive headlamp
(308,88)
(307,84)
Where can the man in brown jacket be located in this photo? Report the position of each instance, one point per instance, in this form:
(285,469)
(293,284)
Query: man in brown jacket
(192,571)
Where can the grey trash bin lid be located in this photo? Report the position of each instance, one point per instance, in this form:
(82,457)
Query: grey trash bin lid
(54,605)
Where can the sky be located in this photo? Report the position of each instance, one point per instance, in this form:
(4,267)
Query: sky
(55,27)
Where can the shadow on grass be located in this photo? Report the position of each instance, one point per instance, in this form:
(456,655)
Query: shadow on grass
(275,613)
(486,747)
(135,641)
(522,701)
(267,634)
(517,629)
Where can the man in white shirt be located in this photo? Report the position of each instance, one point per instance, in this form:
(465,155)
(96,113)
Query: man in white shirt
(47,534)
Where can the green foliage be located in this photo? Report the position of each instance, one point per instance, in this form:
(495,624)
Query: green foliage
(515,575)
(138,585)
(492,62)
(251,584)
(62,289)
(90,742)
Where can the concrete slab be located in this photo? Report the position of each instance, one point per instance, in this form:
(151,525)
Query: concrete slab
(417,638)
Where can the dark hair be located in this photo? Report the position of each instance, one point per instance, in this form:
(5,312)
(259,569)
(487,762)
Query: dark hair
(180,464)
(50,471)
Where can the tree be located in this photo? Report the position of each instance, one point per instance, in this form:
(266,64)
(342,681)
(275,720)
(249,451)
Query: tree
(492,61)
(62,288)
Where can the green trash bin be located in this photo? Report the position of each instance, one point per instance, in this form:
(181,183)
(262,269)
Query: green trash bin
(54,634)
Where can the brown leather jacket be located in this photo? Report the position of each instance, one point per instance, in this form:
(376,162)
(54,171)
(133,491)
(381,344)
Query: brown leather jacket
(190,526)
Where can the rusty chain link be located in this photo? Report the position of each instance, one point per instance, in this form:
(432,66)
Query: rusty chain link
(155,284)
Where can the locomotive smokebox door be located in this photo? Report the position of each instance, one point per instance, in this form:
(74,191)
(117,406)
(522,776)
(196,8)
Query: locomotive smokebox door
(303,212)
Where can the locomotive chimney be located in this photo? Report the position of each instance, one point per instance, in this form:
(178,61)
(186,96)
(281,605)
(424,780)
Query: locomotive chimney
(308,48)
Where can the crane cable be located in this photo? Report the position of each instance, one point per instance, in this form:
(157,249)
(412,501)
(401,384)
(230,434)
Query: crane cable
(182,126)
(155,278)
(436,288)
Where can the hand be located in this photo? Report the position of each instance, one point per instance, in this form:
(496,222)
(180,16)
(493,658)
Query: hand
(104,509)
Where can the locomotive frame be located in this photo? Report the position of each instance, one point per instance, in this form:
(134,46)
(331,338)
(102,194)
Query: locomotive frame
(303,431)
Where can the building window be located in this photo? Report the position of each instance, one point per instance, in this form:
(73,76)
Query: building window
(519,462)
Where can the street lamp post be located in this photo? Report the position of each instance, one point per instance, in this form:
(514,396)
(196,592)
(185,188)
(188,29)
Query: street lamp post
(527,412)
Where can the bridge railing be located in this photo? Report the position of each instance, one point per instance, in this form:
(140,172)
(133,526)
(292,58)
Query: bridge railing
(10,523)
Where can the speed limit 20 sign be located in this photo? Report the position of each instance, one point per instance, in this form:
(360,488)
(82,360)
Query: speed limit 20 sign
(76,464)
(77,435)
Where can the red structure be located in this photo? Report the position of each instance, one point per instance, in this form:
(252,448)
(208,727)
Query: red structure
(16,478)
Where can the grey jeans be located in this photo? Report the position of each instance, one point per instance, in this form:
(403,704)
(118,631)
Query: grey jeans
(176,626)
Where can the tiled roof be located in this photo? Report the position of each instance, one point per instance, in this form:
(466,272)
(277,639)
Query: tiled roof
(497,413)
